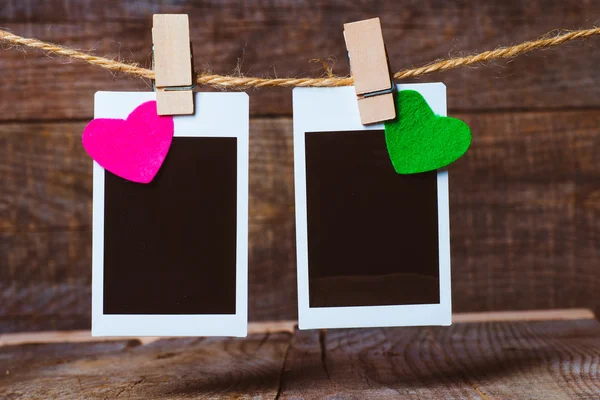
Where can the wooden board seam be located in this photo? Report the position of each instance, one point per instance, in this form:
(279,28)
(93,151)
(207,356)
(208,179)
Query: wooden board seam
(291,326)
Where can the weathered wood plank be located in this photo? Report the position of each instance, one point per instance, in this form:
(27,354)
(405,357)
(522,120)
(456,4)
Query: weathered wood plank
(484,360)
(170,368)
(525,360)
(280,39)
(524,218)
(46,181)
(525,206)
(272,240)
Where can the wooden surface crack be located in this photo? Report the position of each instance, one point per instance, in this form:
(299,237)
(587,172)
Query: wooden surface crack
(131,386)
(263,341)
(282,372)
(323,346)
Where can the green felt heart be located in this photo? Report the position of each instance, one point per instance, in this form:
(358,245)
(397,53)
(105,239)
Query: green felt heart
(420,141)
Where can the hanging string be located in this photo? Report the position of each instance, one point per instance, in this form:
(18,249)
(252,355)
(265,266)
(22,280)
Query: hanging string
(243,82)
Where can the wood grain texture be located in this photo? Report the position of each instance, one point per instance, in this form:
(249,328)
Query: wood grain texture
(45,281)
(549,360)
(281,39)
(165,369)
(525,212)
(524,201)
(484,360)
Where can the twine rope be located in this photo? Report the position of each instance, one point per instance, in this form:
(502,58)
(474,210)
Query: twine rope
(243,82)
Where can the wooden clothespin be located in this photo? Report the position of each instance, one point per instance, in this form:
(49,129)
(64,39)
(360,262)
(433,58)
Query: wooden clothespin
(369,66)
(172,64)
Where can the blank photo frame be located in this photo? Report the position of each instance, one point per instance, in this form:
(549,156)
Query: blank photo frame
(170,258)
(373,246)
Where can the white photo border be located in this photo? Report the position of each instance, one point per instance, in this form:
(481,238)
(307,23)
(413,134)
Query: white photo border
(217,115)
(336,109)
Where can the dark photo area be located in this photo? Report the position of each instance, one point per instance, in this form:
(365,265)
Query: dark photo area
(372,234)
(170,245)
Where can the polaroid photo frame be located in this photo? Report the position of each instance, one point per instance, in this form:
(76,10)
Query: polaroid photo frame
(170,258)
(373,247)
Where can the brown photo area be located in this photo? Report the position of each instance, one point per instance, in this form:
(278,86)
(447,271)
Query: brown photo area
(170,245)
(372,234)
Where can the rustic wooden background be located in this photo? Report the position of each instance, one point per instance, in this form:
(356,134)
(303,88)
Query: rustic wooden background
(524,201)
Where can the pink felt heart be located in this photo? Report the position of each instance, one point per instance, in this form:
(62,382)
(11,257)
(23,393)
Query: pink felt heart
(132,148)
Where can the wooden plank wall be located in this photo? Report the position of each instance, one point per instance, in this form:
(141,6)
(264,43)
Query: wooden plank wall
(525,200)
